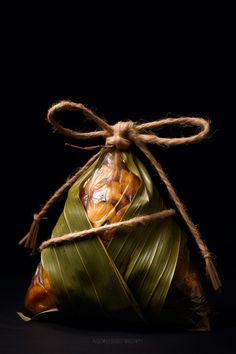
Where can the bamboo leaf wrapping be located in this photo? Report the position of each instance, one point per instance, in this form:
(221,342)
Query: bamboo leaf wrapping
(130,279)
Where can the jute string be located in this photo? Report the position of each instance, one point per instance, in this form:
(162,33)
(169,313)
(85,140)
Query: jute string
(121,135)
(96,231)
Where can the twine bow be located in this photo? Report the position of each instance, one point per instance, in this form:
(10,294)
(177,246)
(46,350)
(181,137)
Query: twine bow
(122,135)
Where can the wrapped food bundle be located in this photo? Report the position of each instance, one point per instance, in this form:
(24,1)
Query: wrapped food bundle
(141,274)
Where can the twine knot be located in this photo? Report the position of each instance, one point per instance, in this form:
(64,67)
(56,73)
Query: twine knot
(36,217)
(207,254)
(123,134)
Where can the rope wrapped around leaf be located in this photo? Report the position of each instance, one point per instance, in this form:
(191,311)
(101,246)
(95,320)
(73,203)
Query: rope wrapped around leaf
(116,251)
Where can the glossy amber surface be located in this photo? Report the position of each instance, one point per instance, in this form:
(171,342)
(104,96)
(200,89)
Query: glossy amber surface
(108,192)
(40,296)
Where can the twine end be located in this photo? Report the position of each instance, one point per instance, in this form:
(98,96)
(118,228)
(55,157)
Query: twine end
(212,274)
(30,239)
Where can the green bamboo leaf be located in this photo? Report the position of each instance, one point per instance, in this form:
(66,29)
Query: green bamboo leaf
(42,315)
(83,275)
(147,255)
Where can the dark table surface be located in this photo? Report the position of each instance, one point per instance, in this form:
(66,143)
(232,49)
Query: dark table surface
(17,336)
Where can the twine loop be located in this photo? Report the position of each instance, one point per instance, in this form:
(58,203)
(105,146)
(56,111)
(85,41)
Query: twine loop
(122,134)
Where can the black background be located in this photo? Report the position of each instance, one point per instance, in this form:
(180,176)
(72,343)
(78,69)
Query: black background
(135,65)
